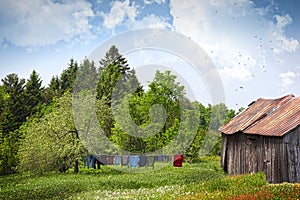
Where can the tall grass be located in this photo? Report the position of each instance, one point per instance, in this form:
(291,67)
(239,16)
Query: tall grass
(58,186)
(203,180)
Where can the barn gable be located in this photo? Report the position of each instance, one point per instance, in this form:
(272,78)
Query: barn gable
(264,137)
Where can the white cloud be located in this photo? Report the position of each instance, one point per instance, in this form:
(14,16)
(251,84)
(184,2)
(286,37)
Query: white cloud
(235,72)
(148,2)
(287,79)
(118,13)
(33,23)
(213,25)
(247,46)
(283,21)
(123,14)
(150,21)
(288,44)
(241,69)
(225,28)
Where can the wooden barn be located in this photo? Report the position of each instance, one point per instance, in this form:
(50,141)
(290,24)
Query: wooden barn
(265,137)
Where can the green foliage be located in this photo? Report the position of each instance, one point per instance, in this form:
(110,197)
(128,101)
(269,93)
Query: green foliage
(33,93)
(3,96)
(60,84)
(218,116)
(8,152)
(115,80)
(14,113)
(86,78)
(134,119)
(53,90)
(51,142)
(113,69)
(68,77)
(148,121)
(208,138)
(166,91)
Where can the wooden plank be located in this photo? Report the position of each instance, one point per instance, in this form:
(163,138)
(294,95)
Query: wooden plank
(229,155)
(273,161)
(286,157)
(297,153)
(279,159)
(290,154)
(268,160)
(234,165)
(242,154)
(240,157)
(224,151)
(260,155)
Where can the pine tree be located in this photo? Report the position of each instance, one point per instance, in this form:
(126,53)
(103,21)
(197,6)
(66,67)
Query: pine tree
(13,116)
(14,113)
(33,93)
(60,84)
(68,77)
(2,104)
(116,79)
(114,69)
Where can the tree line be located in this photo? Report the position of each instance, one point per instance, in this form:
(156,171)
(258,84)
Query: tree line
(37,130)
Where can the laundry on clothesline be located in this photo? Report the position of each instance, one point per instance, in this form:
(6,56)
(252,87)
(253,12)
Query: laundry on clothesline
(124,160)
(178,159)
(143,161)
(117,160)
(135,160)
(110,160)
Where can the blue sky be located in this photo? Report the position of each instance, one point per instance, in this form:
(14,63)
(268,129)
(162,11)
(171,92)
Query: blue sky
(253,44)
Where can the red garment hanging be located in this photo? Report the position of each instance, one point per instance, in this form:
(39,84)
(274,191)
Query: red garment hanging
(178,158)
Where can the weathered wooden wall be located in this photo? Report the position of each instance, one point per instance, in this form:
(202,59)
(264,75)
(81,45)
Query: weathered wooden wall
(245,153)
(292,154)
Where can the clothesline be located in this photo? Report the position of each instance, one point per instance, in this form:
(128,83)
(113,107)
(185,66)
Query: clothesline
(134,160)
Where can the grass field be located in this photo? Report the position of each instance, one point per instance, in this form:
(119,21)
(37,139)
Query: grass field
(203,180)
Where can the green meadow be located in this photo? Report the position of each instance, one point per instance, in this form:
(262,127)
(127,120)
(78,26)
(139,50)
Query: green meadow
(201,180)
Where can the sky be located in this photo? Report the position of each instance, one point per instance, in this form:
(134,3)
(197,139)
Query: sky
(253,44)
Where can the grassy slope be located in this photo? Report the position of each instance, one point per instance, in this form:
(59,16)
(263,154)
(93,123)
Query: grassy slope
(203,180)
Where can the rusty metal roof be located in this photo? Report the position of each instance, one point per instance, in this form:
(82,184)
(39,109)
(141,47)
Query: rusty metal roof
(269,117)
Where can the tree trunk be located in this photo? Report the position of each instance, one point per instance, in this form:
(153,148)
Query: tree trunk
(76,167)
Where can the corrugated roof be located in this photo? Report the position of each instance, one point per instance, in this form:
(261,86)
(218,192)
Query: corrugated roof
(269,117)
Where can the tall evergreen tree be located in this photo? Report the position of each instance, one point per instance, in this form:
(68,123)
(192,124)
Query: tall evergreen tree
(60,84)
(115,80)
(87,76)
(33,93)
(110,56)
(113,69)
(2,104)
(15,110)
(51,91)
(13,116)
(54,85)
(68,77)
